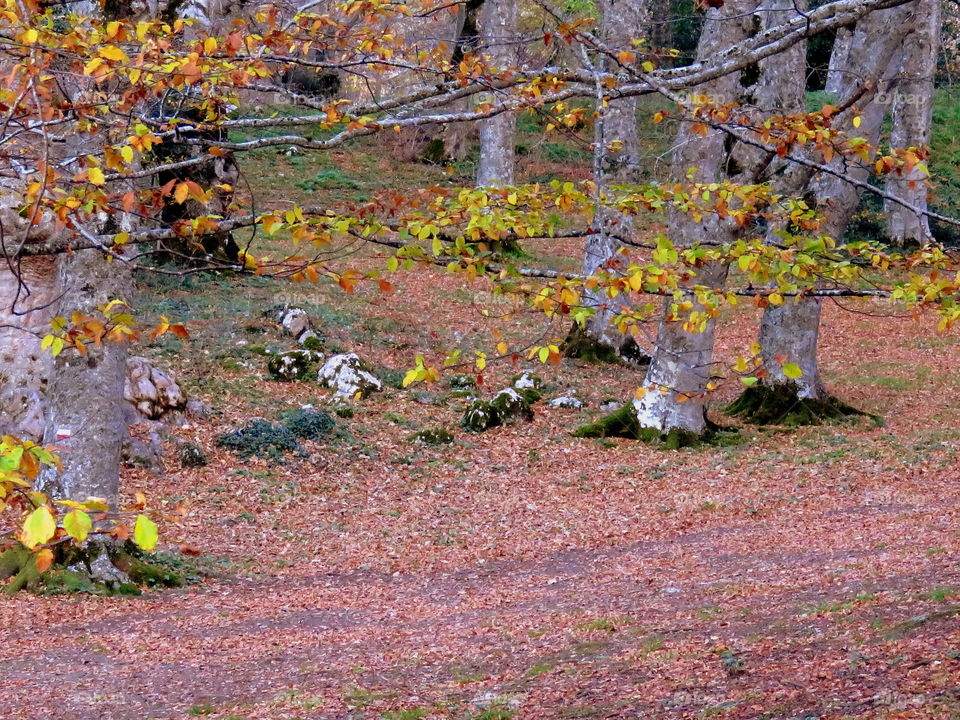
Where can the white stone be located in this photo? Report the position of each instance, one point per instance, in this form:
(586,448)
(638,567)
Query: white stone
(348,376)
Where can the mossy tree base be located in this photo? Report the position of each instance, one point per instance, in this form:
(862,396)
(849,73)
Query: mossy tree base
(580,345)
(779,404)
(75,570)
(623,423)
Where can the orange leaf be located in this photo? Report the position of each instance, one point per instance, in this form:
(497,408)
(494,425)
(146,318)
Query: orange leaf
(44,559)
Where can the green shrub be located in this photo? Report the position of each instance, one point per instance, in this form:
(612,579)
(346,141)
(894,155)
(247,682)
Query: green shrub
(310,424)
(261,438)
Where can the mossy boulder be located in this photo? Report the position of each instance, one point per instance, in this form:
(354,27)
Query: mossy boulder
(293,365)
(511,406)
(349,377)
(462,382)
(529,385)
(191,455)
(431,436)
(480,416)
(567,402)
(507,407)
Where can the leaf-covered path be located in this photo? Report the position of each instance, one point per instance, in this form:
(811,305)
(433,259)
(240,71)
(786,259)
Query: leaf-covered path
(780,619)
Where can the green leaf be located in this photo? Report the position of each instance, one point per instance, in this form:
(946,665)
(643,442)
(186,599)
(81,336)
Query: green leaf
(749,381)
(792,371)
(38,528)
(78,525)
(145,533)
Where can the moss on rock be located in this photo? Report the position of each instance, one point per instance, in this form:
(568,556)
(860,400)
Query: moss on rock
(507,407)
(431,436)
(529,385)
(293,365)
(97,567)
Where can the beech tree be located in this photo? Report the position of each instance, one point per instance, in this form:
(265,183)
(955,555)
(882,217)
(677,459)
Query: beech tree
(616,161)
(499,39)
(912,114)
(872,56)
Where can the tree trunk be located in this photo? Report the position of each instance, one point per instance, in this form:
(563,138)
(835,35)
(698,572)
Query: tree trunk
(912,117)
(676,382)
(27,291)
(498,37)
(837,77)
(869,60)
(617,151)
(85,418)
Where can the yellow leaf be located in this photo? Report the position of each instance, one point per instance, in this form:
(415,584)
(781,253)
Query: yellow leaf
(78,525)
(112,52)
(145,533)
(91,67)
(210,45)
(30,37)
(857,121)
(792,371)
(775,299)
(38,528)
(95,176)
(502,348)
(181,193)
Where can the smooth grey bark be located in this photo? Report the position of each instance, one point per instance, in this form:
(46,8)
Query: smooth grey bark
(617,149)
(85,395)
(498,38)
(870,60)
(676,382)
(912,117)
(27,292)
(836,73)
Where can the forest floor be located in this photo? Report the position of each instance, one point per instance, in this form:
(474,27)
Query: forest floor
(800,574)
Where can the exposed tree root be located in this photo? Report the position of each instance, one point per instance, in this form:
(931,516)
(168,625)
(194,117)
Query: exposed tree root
(97,568)
(579,344)
(779,405)
(623,423)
